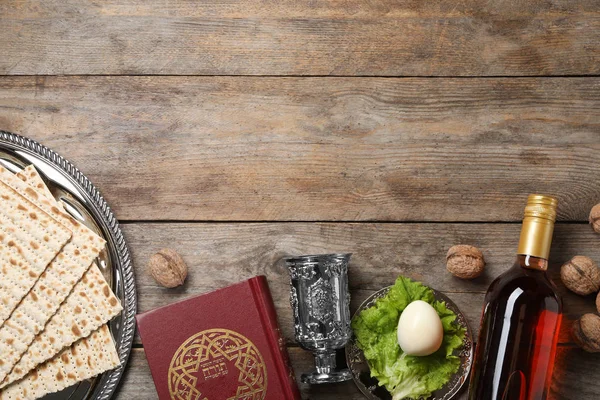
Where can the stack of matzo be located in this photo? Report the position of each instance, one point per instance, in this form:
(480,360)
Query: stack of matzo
(54,301)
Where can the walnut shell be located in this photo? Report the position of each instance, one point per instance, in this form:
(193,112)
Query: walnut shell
(595,218)
(464,261)
(598,302)
(168,268)
(581,275)
(586,333)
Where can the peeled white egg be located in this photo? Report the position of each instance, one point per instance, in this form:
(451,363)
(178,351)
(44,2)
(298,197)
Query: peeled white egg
(420,330)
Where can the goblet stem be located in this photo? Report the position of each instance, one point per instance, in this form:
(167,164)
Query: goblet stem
(326,371)
(325,362)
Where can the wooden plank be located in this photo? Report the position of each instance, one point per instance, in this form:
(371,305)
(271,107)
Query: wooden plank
(221,254)
(323,37)
(574,378)
(239,148)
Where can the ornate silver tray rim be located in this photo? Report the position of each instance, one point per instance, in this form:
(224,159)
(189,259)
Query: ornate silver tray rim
(355,358)
(102,215)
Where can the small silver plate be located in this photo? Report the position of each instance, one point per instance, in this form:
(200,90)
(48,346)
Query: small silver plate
(83,201)
(369,386)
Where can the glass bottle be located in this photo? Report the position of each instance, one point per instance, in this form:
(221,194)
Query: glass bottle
(521,317)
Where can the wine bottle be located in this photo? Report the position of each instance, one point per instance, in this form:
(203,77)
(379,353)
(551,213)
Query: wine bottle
(521,317)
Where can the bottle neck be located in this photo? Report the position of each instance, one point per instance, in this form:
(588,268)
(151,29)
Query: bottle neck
(536,238)
(531,262)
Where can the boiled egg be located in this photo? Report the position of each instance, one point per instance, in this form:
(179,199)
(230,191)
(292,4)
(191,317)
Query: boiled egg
(420,330)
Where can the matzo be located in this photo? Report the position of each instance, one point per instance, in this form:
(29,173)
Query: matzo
(90,305)
(30,175)
(29,239)
(85,359)
(53,286)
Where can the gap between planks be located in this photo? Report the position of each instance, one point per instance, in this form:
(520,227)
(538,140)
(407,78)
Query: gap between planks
(184,221)
(307,76)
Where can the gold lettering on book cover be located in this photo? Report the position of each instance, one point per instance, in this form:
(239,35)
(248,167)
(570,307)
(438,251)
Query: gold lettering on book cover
(206,355)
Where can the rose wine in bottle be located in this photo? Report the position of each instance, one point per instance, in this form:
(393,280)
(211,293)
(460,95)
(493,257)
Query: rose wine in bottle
(521,317)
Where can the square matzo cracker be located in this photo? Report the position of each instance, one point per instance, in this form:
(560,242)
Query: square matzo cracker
(29,239)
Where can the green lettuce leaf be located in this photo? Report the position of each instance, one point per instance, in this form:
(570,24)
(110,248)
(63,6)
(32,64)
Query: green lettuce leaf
(402,375)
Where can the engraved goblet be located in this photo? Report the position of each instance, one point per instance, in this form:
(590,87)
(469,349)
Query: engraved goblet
(320,301)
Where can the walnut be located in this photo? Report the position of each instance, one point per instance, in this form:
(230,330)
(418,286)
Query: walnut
(168,268)
(595,218)
(598,302)
(586,333)
(464,261)
(581,275)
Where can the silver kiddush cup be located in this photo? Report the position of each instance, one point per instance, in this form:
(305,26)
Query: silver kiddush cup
(320,301)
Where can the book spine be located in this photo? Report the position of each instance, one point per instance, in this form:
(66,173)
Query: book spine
(264,301)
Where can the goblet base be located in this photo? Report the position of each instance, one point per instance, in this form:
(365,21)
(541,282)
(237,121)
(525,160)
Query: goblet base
(317,377)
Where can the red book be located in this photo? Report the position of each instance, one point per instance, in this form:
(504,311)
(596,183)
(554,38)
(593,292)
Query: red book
(224,345)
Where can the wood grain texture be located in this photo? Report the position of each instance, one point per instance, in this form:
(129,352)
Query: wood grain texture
(322,37)
(222,254)
(219,150)
(305,149)
(573,378)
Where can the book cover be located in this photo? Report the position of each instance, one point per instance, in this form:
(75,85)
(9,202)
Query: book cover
(223,345)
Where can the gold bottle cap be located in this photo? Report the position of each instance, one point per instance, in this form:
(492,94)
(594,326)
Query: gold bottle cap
(541,206)
(538,226)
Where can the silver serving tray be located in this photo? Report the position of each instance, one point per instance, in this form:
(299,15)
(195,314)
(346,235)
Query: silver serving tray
(83,201)
(362,374)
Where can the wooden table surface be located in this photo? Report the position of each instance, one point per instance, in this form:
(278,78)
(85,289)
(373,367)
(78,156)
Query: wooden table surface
(242,131)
